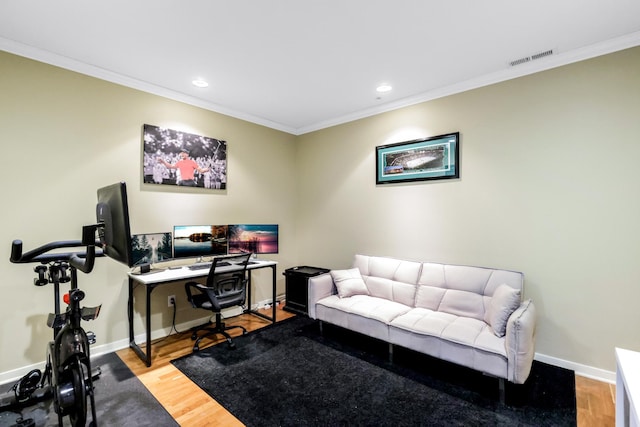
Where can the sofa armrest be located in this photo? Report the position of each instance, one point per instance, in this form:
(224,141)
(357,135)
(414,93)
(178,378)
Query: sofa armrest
(520,342)
(319,287)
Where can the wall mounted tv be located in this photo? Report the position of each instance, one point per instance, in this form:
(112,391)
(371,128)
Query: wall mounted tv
(194,241)
(255,238)
(151,248)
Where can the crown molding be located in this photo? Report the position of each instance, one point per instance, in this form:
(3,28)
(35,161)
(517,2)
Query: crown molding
(127,81)
(532,67)
(509,73)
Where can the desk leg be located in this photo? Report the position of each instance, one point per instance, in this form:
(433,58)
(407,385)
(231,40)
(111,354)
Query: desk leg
(273,294)
(273,297)
(130,312)
(248,310)
(144,356)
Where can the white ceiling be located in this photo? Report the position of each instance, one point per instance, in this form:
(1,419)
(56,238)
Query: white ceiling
(299,66)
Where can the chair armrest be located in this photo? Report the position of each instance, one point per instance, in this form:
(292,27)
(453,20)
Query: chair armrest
(319,287)
(520,342)
(189,292)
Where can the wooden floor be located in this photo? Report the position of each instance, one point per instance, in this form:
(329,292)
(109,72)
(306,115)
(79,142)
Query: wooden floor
(190,406)
(595,402)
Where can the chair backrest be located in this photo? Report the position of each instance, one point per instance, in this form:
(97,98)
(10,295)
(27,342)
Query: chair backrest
(229,287)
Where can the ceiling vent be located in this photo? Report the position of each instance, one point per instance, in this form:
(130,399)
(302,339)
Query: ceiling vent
(531,58)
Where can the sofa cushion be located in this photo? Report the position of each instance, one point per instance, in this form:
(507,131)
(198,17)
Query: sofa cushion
(366,306)
(461,290)
(458,329)
(388,268)
(401,292)
(349,282)
(505,300)
(389,278)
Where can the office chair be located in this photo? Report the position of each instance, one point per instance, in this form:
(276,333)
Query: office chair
(226,286)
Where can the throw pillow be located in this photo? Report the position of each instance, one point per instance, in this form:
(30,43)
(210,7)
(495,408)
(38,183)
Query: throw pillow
(349,282)
(505,300)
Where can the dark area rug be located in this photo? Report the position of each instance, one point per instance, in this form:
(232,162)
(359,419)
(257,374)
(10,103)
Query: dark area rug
(290,375)
(121,400)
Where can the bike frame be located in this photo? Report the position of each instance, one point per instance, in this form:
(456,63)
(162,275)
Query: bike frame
(68,365)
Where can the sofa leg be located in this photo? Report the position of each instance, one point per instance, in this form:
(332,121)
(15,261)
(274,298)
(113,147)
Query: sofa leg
(501,390)
(390,353)
(320,323)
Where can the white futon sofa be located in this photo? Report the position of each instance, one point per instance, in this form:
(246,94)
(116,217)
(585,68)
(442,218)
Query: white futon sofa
(471,316)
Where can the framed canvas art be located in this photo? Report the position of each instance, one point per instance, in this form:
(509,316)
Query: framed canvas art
(171,157)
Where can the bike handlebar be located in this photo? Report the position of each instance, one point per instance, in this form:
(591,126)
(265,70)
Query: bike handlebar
(85,265)
(82,260)
(40,254)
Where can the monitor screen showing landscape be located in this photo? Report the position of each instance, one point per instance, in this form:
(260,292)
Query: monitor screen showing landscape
(151,248)
(255,238)
(191,241)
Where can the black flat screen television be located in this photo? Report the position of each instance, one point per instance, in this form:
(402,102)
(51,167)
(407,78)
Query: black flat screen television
(195,241)
(112,215)
(254,238)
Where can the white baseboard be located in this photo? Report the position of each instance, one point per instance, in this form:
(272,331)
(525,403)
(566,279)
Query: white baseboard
(15,374)
(578,368)
(267,302)
(98,350)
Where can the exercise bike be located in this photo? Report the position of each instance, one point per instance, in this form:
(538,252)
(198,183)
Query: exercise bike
(68,376)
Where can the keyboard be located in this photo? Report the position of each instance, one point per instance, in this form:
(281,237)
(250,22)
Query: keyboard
(202,265)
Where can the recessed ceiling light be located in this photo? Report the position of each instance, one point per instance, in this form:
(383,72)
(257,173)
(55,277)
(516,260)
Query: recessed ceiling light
(383,88)
(200,83)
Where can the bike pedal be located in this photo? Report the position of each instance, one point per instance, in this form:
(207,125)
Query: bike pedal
(27,385)
(91,337)
(95,373)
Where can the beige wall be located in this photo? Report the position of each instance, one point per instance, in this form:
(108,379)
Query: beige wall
(63,135)
(549,186)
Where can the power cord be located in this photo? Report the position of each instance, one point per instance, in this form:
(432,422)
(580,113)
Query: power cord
(173,322)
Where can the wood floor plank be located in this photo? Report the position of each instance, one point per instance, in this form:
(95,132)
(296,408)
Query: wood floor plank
(187,403)
(190,406)
(595,403)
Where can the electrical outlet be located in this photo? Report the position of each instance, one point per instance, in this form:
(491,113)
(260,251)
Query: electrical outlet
(171,300)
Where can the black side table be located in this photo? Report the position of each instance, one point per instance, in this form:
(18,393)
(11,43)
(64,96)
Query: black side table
(297,279)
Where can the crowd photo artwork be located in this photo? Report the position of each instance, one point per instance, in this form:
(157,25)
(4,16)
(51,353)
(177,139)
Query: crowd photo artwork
(171,157)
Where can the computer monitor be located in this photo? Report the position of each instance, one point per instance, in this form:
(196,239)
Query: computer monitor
(112,215)
(151,248)
(255,238)
(194,241)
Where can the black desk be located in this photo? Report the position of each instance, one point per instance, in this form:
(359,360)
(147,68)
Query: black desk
(155,279)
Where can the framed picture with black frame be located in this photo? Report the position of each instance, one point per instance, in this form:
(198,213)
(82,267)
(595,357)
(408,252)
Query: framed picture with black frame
(432,158)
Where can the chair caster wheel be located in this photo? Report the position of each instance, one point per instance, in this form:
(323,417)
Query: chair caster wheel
(194,336)
(232,345)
